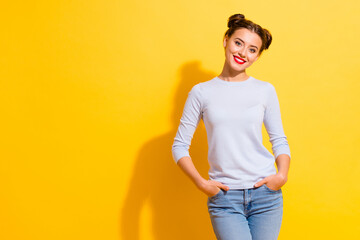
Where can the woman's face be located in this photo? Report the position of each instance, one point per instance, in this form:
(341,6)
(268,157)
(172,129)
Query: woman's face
(242,49)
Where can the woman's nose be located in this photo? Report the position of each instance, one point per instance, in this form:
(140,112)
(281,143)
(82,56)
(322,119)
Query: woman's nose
(242,52)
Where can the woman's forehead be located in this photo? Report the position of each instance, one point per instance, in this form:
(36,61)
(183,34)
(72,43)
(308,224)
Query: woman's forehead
(247,36)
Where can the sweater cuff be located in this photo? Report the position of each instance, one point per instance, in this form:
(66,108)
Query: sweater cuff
(178,153)
(284,149)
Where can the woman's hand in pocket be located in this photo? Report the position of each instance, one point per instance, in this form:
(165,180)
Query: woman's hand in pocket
(274,182)
(211,187)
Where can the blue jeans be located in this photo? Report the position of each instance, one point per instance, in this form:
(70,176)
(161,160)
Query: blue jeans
(246,214)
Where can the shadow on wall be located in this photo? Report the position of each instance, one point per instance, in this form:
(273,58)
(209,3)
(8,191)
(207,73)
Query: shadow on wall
(178,208)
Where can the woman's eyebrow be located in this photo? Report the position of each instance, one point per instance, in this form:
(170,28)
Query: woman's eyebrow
(244,42)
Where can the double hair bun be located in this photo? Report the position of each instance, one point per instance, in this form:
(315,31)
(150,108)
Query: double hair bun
(234,19)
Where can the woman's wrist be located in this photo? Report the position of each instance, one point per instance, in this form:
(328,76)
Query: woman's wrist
(283,176)
(200,183)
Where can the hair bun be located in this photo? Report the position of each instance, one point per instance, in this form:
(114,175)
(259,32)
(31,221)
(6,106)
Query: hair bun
(234,19)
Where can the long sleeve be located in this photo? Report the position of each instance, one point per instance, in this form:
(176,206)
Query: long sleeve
(189,121)
(273,124)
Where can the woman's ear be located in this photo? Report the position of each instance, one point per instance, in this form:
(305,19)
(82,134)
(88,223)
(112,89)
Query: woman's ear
(225,42)
(257,57)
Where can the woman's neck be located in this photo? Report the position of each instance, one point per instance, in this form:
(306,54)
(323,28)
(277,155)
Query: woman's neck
(228,74)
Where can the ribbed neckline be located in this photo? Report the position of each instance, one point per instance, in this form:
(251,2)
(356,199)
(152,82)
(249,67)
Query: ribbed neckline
(232,83)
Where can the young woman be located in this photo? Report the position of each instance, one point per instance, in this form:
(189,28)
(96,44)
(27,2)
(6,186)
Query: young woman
(245,199)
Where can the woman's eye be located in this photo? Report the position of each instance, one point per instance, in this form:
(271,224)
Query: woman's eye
(237,43)
(252,50)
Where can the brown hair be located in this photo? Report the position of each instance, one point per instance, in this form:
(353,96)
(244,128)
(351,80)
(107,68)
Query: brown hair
(238,20)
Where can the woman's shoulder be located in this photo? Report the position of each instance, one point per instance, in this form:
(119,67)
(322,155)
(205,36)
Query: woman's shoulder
(263,83)
(203,86)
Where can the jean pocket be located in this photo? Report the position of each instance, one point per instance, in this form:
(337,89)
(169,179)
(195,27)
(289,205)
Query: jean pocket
(216,195)
(271,190)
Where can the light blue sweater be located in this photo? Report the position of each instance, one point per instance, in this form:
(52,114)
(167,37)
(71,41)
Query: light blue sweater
(233,114)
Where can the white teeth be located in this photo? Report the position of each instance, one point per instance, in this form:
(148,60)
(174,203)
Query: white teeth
(238,59)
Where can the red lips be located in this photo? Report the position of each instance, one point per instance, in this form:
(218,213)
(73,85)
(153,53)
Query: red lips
(239,60)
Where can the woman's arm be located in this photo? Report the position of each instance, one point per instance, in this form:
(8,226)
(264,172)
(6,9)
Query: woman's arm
(283,165)
(209,187)
(280,146)
(189,121)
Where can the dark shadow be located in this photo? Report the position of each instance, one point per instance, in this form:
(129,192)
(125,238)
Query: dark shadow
(178,208)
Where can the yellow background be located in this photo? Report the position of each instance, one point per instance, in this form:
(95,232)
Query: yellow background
(91,97)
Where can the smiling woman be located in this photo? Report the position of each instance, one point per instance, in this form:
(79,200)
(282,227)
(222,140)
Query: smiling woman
(244,42)
(244,188)
(241,48)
